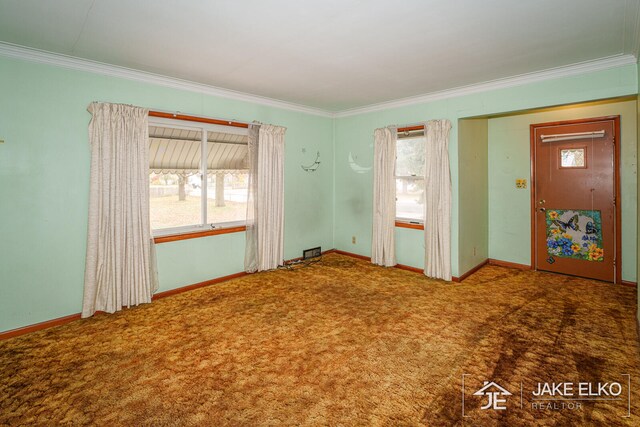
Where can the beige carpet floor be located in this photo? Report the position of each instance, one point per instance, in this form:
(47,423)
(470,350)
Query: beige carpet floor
(339,343)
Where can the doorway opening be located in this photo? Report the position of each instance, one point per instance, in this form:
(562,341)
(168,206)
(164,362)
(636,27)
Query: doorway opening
(496,184)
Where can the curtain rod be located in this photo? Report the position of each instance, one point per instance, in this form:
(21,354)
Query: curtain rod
(177,115)
(186,117)
(408,128)
(411,127)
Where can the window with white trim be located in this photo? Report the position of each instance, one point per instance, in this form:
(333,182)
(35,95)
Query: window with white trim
(198,176)
(410,151)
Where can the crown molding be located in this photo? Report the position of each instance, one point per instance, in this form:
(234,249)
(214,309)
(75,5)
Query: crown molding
(71,62)
(80,64)
(634,15)
(519,80)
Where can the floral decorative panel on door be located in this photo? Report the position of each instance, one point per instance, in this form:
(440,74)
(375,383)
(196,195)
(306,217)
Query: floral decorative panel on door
(575,234)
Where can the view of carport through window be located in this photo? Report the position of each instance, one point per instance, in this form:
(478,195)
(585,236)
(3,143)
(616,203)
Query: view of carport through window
(175,177)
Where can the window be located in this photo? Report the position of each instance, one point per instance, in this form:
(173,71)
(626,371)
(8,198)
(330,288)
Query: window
(188,194)
(573,158)
(410,148)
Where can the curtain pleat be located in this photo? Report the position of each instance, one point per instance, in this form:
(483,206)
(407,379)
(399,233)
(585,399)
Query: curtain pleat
(251,247)
(120,265)
(384,197)
(265,207)
(437,219)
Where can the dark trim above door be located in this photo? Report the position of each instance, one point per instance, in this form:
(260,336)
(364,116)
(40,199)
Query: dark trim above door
(616,168)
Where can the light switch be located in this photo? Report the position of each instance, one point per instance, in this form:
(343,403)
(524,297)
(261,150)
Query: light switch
(521,183)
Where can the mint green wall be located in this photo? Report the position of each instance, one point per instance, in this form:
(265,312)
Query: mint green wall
(44,174)
(44,184)
(407,240)
(354,134)
(473,197)
(509,208)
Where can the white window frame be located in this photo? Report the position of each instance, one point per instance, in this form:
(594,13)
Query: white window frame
(204,128)
(407,177)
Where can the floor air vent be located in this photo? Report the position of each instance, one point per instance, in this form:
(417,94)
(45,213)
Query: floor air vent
(311,253)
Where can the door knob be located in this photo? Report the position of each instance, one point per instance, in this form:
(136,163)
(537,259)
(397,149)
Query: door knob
(542,201)
(543,209)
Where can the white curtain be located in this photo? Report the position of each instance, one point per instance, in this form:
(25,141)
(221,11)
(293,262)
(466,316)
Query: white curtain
(383,250)
(265,208)
(120,267)
(437,216)
(251,247)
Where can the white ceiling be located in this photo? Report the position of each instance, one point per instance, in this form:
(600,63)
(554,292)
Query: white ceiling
(329,54)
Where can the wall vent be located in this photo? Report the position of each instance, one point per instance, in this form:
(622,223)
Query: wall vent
(311,253)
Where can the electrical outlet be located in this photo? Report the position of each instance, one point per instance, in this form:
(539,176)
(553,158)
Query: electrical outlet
(353,239)
(474,251)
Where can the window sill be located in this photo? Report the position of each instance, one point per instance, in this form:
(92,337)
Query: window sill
(404,224)
(197,234)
